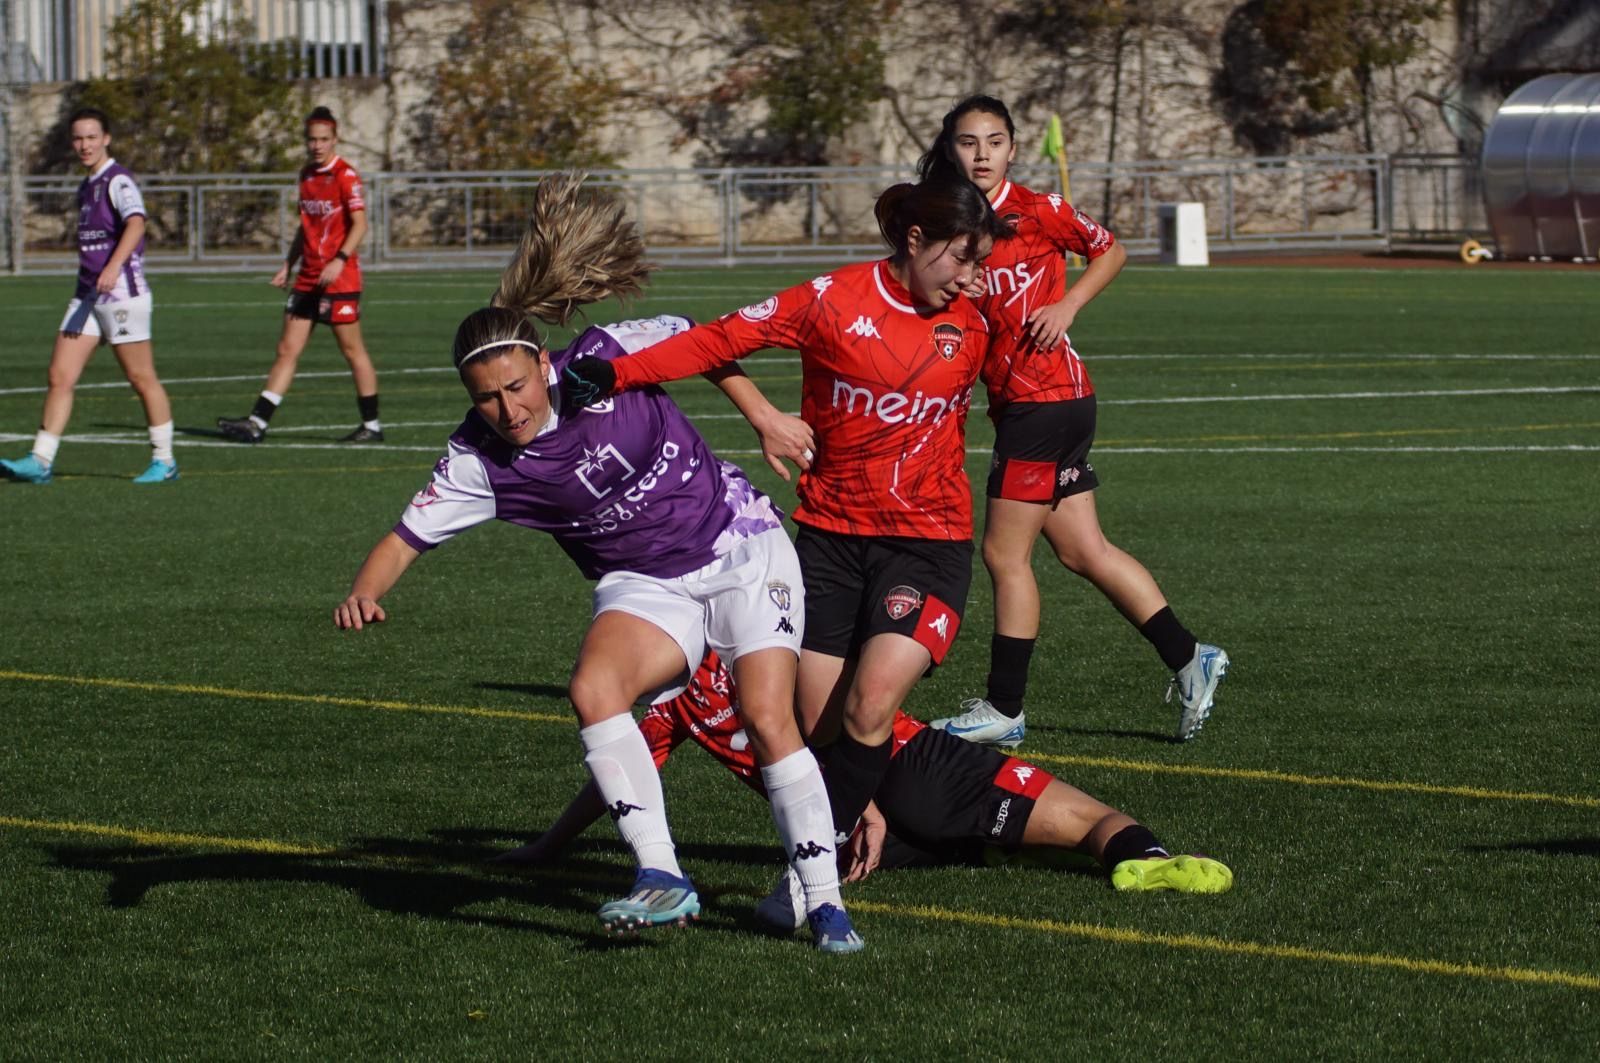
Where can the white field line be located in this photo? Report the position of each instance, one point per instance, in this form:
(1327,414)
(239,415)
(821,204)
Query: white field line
(984,452)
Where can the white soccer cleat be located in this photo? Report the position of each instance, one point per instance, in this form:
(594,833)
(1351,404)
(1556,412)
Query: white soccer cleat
(1196,684)
(981,722)
(784,909)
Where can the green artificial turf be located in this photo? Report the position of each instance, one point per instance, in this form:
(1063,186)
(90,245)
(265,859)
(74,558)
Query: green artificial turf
(1377,489)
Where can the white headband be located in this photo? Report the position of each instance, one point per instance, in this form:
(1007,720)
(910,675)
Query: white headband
(497,343)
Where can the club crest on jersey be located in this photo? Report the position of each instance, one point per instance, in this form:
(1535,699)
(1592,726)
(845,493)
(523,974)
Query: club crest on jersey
(778,591)
(947,339)
(760,311)
(1011,219)
(901,601)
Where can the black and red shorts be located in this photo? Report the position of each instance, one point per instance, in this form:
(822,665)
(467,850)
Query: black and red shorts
(858,586)
(324,308)
(950,797)
(1041,451)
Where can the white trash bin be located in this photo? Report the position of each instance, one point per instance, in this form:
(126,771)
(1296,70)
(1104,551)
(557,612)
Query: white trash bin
(1183,234)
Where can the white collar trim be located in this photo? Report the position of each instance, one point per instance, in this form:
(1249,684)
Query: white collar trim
(883,290)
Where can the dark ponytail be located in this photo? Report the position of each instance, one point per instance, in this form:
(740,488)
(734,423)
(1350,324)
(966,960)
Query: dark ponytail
(945,207)
(940,159)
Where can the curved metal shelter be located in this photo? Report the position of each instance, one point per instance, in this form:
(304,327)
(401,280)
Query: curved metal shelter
(1541,169)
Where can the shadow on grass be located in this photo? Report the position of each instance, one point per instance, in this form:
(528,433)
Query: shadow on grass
(538,690)
(1550,847)
(441,877)
(1166,738)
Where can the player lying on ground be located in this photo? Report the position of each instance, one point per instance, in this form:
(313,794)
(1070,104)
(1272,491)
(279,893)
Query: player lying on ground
(943,800)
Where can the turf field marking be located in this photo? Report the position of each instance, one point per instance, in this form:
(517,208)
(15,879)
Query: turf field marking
(1086,931)
(273,695)
(1121,936)
(1259,775)
(1117,763)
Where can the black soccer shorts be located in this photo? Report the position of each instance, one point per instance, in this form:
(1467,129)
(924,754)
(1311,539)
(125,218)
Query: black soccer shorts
(858,586)
(1041,451)
(952,797)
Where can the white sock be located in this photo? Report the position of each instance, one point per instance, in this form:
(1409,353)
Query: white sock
(805,824)
(161,442)
(373,425)
(619,759)
(45,446)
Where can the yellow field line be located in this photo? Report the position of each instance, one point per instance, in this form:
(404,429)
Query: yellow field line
(1258,775)
(1117,763)
(268,695)
(1087,931)
(1118,936)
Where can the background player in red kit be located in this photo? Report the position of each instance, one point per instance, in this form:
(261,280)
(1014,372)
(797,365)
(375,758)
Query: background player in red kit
(327,289)
(943,801)
(889,353)
(1043,406)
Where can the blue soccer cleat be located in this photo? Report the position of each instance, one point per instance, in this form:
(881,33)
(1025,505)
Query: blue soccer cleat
(159,472)
(28,470)
(984,724)
(831,928)
(657,899)
(1196,684)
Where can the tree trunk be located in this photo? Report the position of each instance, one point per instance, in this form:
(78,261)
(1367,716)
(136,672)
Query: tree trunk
(1118,48)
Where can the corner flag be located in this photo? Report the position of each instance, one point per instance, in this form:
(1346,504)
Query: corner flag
(1055,147)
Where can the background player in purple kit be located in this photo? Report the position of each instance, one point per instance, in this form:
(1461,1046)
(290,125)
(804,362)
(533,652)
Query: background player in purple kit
(687,553)
(111,305)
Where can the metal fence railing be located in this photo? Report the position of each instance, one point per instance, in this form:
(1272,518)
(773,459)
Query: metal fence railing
(737,216)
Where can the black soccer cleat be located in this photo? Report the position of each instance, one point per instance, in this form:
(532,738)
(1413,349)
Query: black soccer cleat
(241,429)
(363,434)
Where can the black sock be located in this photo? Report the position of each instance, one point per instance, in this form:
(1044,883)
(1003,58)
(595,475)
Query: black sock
(369,406)
(1171,639)
(1131,843)
(1008,672)
(851,772)
(264,408)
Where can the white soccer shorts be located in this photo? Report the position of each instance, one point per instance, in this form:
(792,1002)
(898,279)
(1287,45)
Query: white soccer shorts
(125,321)
(749,599)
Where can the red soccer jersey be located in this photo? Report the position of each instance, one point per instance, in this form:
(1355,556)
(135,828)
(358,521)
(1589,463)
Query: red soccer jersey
(1023,274)
(329,195)
(886,389)
(704,712)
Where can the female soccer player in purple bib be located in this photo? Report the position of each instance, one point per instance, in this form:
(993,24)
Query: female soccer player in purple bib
(687,553)
(111,305)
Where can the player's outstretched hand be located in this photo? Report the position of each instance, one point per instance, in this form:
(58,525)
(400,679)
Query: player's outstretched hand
(356,611)
(866,844)
(280,279)
(585,382)
(786,436)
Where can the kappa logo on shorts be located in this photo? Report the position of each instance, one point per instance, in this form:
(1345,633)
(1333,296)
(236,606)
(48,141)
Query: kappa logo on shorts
(1023,774)
(1068,476)
(784,627)
(778,591)
(760,311)
(1000,819)
(901,602)
(346,310)
(940,625)
(947,339)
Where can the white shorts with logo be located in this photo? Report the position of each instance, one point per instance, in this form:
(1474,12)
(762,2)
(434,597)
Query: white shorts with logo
(124,321)
(747,600)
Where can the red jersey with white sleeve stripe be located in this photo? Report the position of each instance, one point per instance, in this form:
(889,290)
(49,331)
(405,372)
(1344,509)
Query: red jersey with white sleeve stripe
(1023,274)
(329,195)
(886,387)
(704,712)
